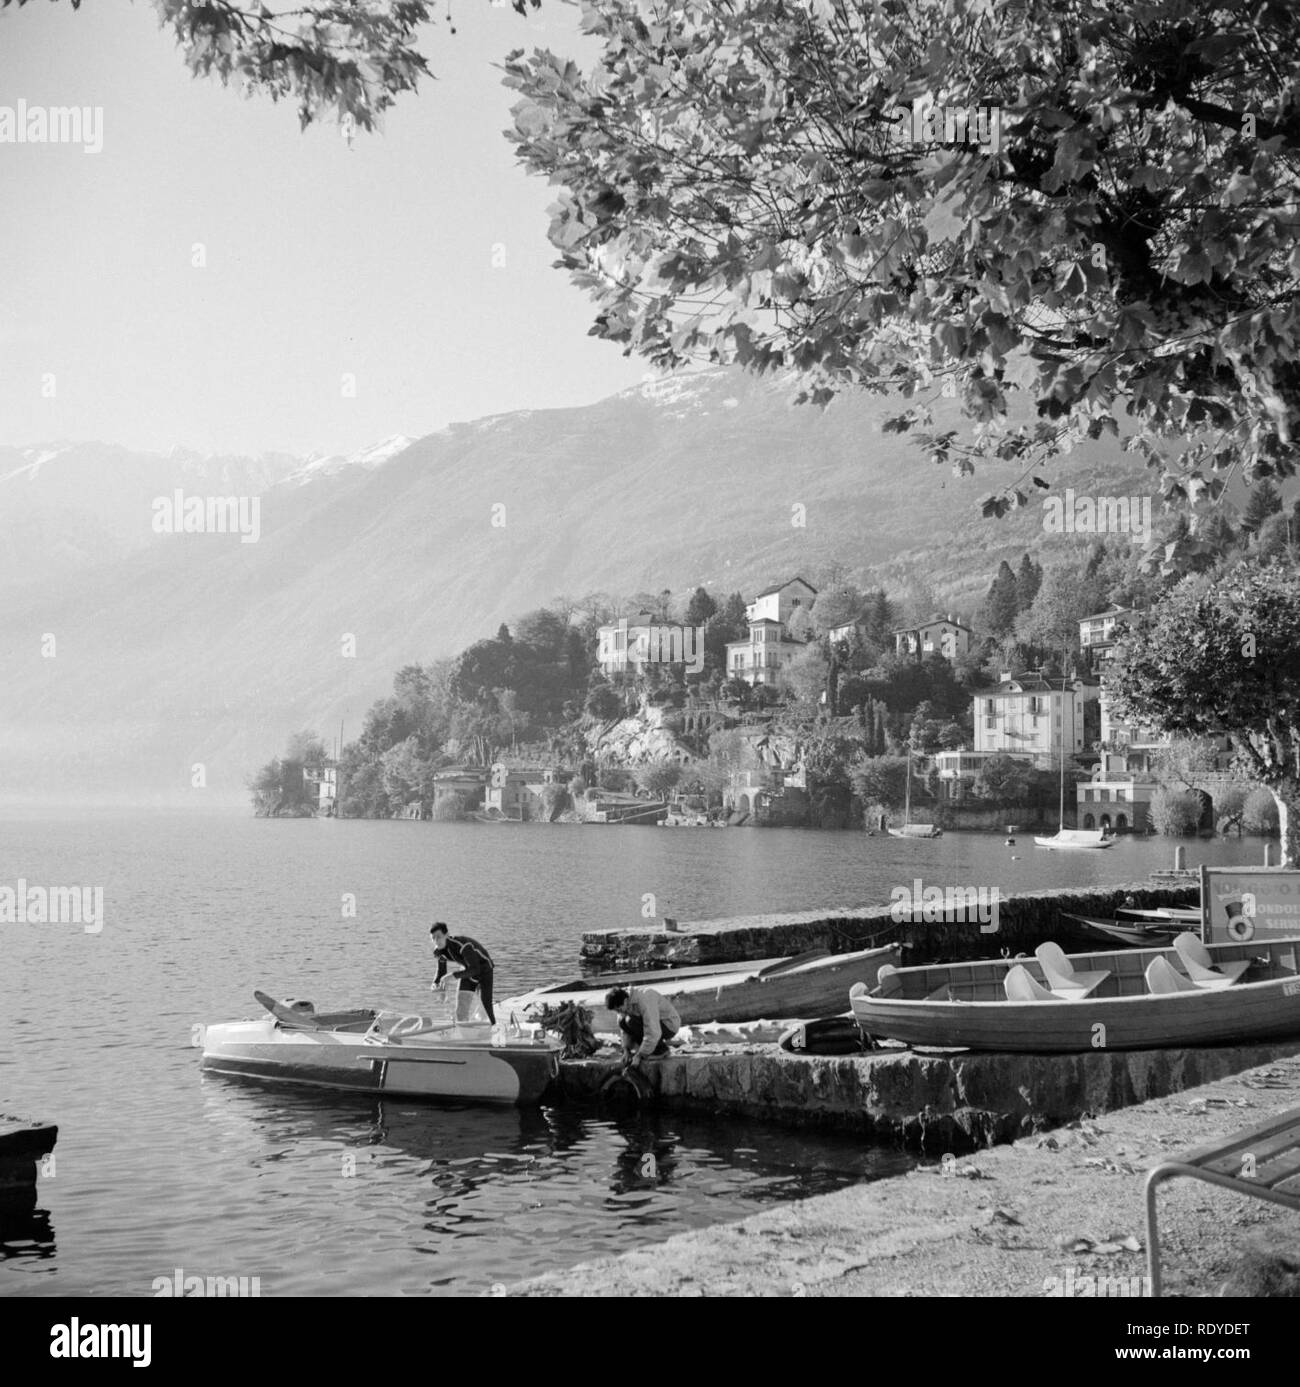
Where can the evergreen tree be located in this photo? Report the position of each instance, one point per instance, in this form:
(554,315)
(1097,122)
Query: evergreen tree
(1001,606)
(1029,577)
(1264,501)
(732,617)
(700,608)
(1218,533)
(878,619)
(1276,538)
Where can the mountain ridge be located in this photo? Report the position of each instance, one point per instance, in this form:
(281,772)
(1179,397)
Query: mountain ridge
(177,649)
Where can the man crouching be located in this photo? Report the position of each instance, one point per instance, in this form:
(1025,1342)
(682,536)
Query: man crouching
(647,1021)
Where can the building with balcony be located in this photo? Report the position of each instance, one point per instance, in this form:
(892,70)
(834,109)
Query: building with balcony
(955,766)
(1098,633)
(1029,715)
(758,660)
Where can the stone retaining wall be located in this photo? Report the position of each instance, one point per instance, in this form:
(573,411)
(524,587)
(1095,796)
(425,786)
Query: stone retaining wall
(931,1103)
(1025,920)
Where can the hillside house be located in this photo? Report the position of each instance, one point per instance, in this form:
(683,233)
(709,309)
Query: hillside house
(941,635)
(1099,632)
(1031,715)
(1098,635)
(779,603)
(759,658)
(631,642)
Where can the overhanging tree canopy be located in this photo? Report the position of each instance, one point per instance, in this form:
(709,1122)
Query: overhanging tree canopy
(351,57)
(1219,655)
(737,186)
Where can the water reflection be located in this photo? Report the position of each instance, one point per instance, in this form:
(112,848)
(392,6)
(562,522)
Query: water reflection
(25,1230)
(442,1198)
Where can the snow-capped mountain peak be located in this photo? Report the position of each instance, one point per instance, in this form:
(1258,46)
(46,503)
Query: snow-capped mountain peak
(326,464)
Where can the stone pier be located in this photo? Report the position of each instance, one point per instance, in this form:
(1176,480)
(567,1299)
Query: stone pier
(931,1102)
(1025,920)
(1048,1216)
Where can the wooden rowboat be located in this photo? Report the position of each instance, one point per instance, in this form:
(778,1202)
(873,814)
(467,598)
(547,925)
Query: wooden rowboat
(806,987)
(1129,999)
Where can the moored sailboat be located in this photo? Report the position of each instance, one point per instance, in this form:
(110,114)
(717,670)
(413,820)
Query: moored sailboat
(909,829)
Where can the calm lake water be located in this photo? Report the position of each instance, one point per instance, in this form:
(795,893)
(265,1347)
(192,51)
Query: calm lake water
(159,1168)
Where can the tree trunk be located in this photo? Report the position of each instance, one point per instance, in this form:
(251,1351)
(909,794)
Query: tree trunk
(1287,796)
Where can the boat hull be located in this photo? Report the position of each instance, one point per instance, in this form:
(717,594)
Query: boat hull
(977,1020)
(1075,840)
(1140,936)
(461,1064)
(813,990)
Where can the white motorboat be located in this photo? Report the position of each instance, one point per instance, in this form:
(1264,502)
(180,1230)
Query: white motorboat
(383,1052)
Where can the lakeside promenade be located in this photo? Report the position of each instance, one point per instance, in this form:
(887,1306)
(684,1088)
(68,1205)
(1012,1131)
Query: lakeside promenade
(1016,1220)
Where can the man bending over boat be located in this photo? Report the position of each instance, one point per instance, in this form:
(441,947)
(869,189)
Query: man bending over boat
(647,1020)
(466,956)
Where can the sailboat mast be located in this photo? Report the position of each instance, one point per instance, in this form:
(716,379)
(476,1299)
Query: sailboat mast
(1060,817)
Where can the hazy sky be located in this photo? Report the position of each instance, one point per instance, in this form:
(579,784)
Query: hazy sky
(321,260)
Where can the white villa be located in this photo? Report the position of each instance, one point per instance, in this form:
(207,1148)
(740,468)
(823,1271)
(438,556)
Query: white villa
(632,642)
(1030,715)
(758,659)
(778,603)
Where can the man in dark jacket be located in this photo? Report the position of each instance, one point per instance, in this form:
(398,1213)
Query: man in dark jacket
(467,957)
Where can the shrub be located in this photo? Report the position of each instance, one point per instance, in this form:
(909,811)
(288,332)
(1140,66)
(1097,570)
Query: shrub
(1002,781)
(614,778)
(1259,814)
(660,777)
(1230,801)
(604,703)
(1175,813)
